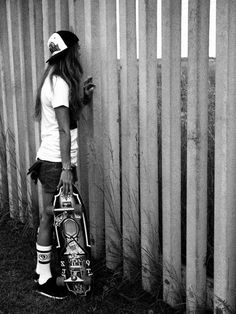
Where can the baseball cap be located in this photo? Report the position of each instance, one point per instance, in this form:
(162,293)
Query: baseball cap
(59,42)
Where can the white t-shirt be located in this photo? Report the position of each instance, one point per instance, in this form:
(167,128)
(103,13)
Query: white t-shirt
(52,98)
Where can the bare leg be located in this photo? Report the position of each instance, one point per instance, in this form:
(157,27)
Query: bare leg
(46,221)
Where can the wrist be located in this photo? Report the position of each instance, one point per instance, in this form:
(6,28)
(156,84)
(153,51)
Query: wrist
(66,166)
(66,169)
(86,99)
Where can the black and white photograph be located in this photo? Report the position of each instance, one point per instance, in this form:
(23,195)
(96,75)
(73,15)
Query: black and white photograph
(118,156)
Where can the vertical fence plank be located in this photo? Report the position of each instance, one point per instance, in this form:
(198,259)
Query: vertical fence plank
(37,66)
(14,98)
(197,153)
(71,12)
(7,108)
(4,198)
(29,70)
(22,113)
(95,119)
(5,194)
(79,21)
(171,149)
(148,139)
(19,63)
(129,136)
(111,132)
(62,15)
(82,126)
(225,152)
(49,23)
(94,129)
(58,16)
(37,41)
(84,123)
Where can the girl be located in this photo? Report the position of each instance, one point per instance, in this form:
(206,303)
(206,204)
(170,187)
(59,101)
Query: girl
(58,106)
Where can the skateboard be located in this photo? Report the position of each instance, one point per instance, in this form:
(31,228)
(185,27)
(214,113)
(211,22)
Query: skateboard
(72,242)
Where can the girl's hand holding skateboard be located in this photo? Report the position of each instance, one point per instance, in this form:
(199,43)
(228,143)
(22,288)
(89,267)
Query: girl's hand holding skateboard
(66,181)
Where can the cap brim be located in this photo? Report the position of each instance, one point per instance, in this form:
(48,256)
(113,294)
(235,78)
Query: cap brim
(58,56)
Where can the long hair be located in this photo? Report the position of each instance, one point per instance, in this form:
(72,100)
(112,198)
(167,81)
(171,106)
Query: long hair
(68,67)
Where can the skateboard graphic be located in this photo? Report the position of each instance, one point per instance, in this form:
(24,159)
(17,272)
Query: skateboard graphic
(72,242)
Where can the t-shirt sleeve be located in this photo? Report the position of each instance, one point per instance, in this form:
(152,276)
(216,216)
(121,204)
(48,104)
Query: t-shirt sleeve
(60,96)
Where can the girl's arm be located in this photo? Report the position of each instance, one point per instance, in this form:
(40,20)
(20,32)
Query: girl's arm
(66,179)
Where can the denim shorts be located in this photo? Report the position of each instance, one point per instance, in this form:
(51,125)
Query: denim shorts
(50,173)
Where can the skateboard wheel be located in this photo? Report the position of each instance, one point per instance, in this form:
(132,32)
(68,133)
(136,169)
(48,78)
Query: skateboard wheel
(50,210)
(60,281)
(73,278)
(87,281)
(78,209)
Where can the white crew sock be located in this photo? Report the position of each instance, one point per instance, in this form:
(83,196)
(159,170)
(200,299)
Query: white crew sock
(43,268)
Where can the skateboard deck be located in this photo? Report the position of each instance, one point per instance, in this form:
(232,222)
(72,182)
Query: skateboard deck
(72,242)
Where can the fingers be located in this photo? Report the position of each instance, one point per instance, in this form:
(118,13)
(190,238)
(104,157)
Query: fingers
(88,80)
(89,85)
(71,189)
(59,184)
(67,188)
(66,182)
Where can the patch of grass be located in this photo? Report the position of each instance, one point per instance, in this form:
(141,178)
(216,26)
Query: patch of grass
(111,293)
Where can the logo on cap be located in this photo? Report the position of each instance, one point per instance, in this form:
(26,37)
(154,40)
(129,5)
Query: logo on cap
(56,44)
(53,47)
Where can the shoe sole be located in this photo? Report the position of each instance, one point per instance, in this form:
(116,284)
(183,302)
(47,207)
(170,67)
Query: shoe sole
(50,296)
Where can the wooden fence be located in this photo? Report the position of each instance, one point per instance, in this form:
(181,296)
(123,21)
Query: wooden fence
(130,169)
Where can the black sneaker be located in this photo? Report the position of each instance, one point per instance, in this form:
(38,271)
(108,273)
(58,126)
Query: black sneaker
(51,290)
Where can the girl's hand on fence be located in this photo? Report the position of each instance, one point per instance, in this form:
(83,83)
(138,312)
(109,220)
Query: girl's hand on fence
(88,89)
(66,181)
